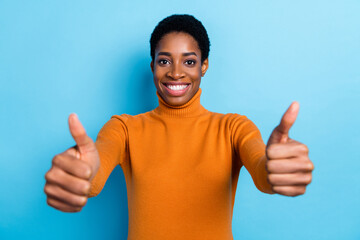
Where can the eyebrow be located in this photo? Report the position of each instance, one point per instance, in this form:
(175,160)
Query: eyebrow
(184,54)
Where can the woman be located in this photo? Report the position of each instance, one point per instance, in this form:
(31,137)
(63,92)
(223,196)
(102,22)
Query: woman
(181,162)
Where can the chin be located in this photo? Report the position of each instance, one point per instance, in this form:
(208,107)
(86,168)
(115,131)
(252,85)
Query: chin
(177,101)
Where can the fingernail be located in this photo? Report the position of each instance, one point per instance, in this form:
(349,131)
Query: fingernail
(297,104)
(72,116)
(88,173)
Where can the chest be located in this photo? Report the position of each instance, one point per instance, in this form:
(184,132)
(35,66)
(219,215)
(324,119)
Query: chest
(180,154)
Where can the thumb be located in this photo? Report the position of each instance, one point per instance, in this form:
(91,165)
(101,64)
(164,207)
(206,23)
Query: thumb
(281,132)
(83,141)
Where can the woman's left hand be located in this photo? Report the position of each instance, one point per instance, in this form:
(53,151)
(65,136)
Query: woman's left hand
(288,165)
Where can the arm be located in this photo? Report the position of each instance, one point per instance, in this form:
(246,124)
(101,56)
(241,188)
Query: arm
(250,150)
(111,146)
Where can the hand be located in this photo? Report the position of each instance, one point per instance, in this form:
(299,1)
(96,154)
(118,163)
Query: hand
(68,180)
(288,163)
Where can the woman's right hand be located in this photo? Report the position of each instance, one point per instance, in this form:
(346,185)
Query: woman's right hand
(68,180)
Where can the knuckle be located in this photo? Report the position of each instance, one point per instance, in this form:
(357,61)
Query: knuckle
(300,191)
(270,166)
(55,160)
(80,201)
(294,192)
(270,178)
(304,148)
(46,189)
(72,150)
(83,187)
(74,210)
(311,166)
(273,189)
(54,174)
(77,209)
(270,150)
(88,171)
(49,175)
(83,201)
(308,179)
(85,171)
(291,194)
(305,179)
(51,203)
(87,187)
(58,159)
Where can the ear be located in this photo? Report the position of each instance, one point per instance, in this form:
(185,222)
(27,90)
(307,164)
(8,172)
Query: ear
(204,67)
(152,66)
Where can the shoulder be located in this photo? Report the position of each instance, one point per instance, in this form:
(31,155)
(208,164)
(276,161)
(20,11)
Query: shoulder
(119,125)
(230,118)
(236,123)
(123,118)
(127,119)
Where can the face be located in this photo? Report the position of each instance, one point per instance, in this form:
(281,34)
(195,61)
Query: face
(177,68)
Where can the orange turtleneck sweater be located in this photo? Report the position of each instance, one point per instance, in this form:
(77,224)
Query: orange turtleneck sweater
(181,165)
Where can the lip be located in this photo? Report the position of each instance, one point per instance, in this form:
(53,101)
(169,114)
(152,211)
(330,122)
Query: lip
(176,93)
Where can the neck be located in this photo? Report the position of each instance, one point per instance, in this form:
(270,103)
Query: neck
(192,108)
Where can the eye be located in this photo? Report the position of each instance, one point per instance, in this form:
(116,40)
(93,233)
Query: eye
(163,62)
(190,62)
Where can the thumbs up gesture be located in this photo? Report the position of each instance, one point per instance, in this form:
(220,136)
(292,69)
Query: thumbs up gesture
(68,180)
(288,165)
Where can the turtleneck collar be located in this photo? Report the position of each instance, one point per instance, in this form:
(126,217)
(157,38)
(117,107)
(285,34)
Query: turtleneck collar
(192,108)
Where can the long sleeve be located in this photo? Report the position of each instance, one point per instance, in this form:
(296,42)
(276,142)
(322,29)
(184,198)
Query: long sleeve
(181,167)
(111,145)
(250,149)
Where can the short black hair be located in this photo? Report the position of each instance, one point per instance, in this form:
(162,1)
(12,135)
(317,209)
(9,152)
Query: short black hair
(181,23)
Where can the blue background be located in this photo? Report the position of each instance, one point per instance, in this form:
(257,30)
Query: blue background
(92,58)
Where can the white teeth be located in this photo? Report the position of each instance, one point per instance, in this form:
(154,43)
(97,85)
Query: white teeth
(177,87)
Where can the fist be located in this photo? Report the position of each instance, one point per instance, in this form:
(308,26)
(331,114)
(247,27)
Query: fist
(288,165)
(68,180)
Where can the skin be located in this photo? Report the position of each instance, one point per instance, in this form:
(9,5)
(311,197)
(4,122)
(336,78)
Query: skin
(288,165)
(68,180)
(177,59)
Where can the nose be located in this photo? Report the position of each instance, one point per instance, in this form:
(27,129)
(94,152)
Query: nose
(176,72)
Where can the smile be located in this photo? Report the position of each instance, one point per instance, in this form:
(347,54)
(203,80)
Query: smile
(176,89)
